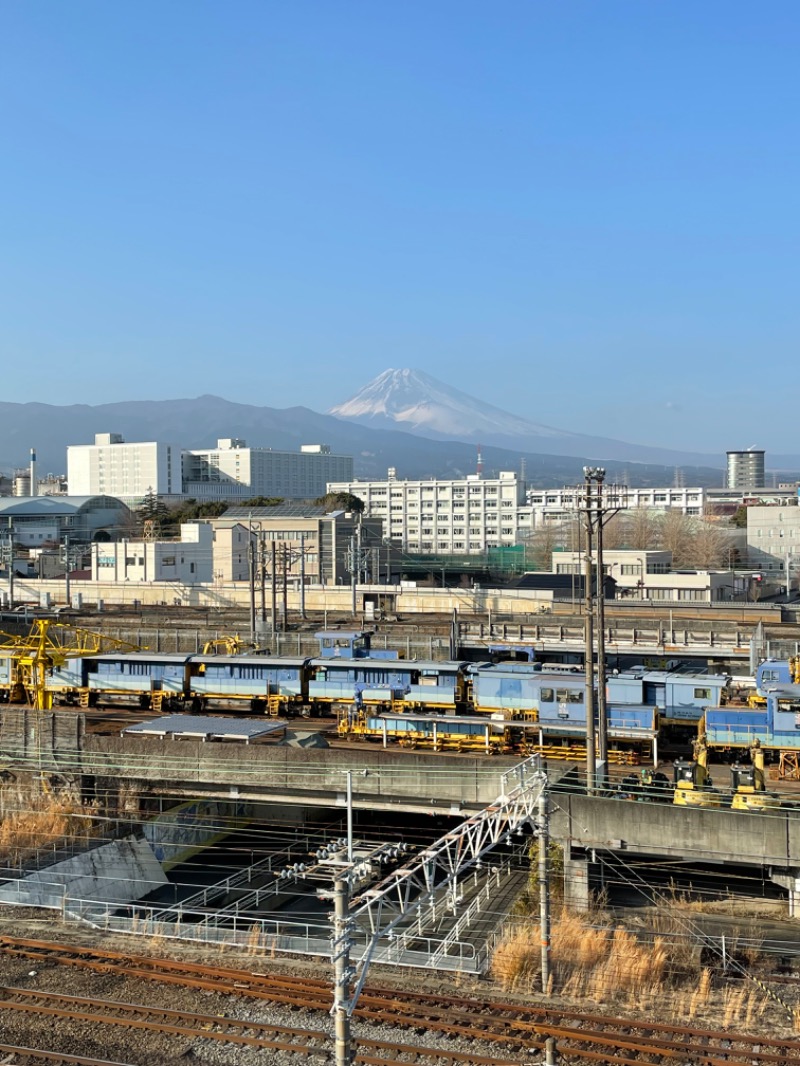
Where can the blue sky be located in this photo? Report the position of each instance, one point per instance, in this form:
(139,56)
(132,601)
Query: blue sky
(586,213)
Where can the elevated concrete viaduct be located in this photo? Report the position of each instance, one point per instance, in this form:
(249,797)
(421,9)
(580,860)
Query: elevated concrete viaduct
(418,782)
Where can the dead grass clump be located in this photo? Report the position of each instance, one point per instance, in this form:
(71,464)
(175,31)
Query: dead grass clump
(588,961)
(48,821)
(517,959)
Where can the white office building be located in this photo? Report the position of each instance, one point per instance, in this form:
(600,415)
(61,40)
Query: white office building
(110,467)
(556,505)
(188,561)
(463,516)
(234,471)
(231,471)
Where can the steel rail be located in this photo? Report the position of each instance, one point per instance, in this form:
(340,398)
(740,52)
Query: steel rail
(61,1057)
(522,1025)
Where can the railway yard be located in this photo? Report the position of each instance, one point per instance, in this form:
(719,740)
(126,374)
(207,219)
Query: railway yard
(244,1011)
(87,994)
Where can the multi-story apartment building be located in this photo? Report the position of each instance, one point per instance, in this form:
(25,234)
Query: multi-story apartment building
(231,471)
(111,467)
(234,471)
(462,516)
(773,539)
(552,506)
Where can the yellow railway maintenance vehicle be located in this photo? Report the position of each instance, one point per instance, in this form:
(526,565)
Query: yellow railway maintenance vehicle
(693,784)
(750,784)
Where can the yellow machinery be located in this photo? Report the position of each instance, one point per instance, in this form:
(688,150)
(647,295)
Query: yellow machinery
(49,644)
(226,646)
(693,784)
(750,784)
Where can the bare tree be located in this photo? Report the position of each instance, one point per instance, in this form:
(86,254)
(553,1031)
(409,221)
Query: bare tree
(642,528)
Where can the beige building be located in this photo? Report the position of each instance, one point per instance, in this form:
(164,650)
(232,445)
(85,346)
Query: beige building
(305,540)
(648,575)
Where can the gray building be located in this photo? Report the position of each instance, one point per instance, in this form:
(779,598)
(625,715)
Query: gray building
(44,521)
(745,469)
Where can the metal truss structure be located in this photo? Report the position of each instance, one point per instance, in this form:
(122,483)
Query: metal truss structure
(375,913)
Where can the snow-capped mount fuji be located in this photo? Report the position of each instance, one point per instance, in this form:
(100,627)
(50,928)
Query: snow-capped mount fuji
(413,400)
(417,403)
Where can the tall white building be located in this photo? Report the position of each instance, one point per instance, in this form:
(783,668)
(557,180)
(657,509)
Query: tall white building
(231,471)
(556,505)
(443,517)
(110,467)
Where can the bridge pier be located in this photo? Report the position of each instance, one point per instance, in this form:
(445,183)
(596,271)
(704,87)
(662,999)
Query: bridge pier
(578,877)
(790,880)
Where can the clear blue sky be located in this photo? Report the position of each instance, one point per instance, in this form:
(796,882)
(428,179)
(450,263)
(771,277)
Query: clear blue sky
(584,212)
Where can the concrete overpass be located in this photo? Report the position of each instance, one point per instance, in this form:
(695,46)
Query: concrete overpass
(122,769)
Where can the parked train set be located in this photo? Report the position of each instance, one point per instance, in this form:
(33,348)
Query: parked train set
(375,695)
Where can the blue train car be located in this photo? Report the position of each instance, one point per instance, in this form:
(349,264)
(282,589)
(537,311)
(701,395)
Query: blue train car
(776,727)
(529,693)
(350,644)
(441,686)
(776,676)
(679,696)
(359,682)
(155,679)
(11,689)
(277,685)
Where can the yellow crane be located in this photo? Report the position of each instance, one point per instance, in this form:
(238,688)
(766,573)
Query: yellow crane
(48,645)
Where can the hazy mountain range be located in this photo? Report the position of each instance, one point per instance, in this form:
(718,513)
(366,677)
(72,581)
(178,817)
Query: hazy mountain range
(404,418)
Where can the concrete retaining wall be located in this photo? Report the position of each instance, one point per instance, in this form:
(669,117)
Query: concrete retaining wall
(118,872)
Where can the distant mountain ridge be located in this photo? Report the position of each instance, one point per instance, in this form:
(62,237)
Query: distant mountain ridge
(200,422)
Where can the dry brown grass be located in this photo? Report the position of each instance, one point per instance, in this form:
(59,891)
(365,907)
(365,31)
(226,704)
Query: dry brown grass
(49,821)
(591,961)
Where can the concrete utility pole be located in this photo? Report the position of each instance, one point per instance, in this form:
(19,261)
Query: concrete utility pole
(544,886)
(67,563)
(251,559)
(588,623)
(602,715)
(274,591)
(303,576)
(343,972)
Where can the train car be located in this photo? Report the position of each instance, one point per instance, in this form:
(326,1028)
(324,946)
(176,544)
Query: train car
(777,676)
(776,727)
(441,686)
(12,689)
(277,686)
(632,733)
(350,644)
(518,688)
(681,697)
(154,679)
(390,683)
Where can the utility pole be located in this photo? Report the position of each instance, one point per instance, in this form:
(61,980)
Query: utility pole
(588,623)
(251,559)
(66,567)
(274,592)
(544,886)
(343,972)
(303,576)
(10,564)
(602,716)
(285,586)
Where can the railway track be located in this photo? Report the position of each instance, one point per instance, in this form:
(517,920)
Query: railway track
(514,1029)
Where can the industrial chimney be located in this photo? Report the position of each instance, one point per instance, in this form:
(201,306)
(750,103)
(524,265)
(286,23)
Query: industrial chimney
(34,482)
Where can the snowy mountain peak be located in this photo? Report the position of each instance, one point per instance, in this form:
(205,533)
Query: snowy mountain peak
(415,401)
